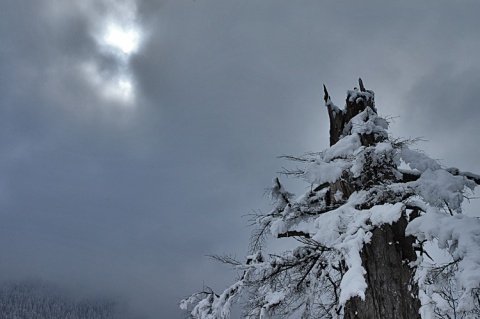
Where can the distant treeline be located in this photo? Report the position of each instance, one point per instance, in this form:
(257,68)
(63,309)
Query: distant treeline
(29,300)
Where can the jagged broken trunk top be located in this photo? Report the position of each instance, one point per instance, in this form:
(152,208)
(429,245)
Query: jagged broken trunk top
(391,292)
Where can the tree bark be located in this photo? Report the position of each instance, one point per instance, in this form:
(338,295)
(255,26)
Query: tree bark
(391,293)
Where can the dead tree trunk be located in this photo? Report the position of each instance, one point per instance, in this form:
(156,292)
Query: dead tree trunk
(391,293)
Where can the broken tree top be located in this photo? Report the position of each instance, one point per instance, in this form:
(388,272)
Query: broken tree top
(357,101)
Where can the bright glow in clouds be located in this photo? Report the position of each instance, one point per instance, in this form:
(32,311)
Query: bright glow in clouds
(118,89)
(118,37)
(125,39)
(115,28)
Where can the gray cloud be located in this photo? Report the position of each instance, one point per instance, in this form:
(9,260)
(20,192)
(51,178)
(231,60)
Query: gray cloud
(127,199)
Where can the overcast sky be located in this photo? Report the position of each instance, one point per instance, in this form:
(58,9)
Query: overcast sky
(134,135)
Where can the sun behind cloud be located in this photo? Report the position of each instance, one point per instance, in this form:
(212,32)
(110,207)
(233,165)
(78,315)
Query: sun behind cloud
(117,37)
(123,38)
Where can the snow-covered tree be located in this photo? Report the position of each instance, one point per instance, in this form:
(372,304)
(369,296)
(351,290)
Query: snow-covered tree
(36,300)
(374,209)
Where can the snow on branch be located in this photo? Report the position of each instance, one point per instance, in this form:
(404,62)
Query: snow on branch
(459,235)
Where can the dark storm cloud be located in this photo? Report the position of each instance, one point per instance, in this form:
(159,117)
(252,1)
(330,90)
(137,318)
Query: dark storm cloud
(127,199)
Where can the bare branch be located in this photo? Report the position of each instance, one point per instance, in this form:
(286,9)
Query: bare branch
(293,233)
(225,259)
